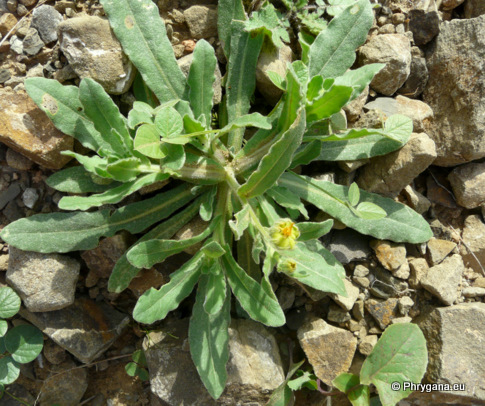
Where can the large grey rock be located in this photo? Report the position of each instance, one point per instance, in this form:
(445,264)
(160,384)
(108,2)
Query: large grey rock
(418,77)
(443,280)
(46,19)
(254,368)
(456,91)
(202,21)
(93,51)
(32,43)
(391,173)
(348,245)
(455,337)
(45,282)
(468,184)
(406,6)
(394,50)
(474,241)
(424,26)
(474,8)
(329,349)
(86,329)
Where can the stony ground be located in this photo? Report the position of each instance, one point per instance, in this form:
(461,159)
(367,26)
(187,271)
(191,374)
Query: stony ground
(435,74)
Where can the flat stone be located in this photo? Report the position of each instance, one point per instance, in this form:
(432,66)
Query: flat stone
(394,50)
(93,51)
(45,282)
(391,173)
(46,20)
(474,8)
(474,241)
(456,91)
(337,315)
(202,21)
(86,329)
(451,4)
(390,255)
(416,200)
(424,25)
(468,184)
(27,129)
(419,267)
(382,311)
(348,245)
(367,344)
(347,302)
(416,110)
(6,196)
(384,284)
(472,291)
(32,43)
(444,279)
(329,349)
(438,250)
(455,337)
(405,6)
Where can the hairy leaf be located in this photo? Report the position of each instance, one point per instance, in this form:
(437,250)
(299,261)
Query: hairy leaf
(9,302)
(359,395)
(77,180)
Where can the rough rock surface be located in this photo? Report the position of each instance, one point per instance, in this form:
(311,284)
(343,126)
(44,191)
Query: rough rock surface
(474,241)
(444,279)
(329,349)
(26,128)
(439,249)
(45,282)
(391,173)
(46,19)
(383,312)
(347,302)
(93,51)
(418,77)
(202,21)
(456,91)
(86,329)
(455,337)
(348,245)
(468,184)
(474,8)
(395,51)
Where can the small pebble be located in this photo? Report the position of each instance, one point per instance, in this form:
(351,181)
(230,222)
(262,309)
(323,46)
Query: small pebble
(30,197)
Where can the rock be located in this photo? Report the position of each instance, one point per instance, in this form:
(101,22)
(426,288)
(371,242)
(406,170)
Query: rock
(6,196)
(424,26)
(455,337)
(32,43)
(103,258)
(202,21)
(474,8)
(450,4)
(444,279)
(16,45)
(384,284)
(45,282)
(416,200)
(337,315)
(468,184)
(184,64)
(348,245)
(93,51)
(190,230)
(438,250)
(16,394)
(394,50)
(391,173)
(86,329)
(254,368)
(418,77)
(405,304)
(474,241)
(329,349)
(272,59)
(354,108)
(472,291)
(46,20)
(382,311)
(4,75)
(65,386)
(391,255)
(28,3)
(347,303)
(416,110)
(18,161)
(53,353)
(3,7)
(146,279)
(27,129)
(30,197)
(367,344)
(286,297)
(456,91)
(7,22)
(406,6)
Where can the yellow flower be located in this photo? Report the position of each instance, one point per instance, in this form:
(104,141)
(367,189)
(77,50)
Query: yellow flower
(284,234)
(287,266)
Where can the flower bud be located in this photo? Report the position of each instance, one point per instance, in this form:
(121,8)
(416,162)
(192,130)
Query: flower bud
(284,234)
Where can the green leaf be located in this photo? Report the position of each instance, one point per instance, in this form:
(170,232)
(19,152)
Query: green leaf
(241,223)
(124,170)
(77,180)
(248,120)
(142,92)
(111,196)
(200,80)
(359,78)
(147,141)
(9,302)
(271,23)
(62,106)
(214,285)
(9,370)
(94,164)
(241,76)
(286,198)
(24,342)
(207,205)
(155,304)
(64,232)
(401,224)
(245,255)
(139,357)
(276,161)
(276,79)
(201,169)
(148,253)
(141,31)
(251,296)
(370,211)
(213,249)
(313,231)
(169,123)
(359,395)
(123,272)
(319,270)
(337,7)
(329,103)
(305,379)
(209,341)
(228,10)
(333,51)
(141,113)
(283,394)
(174,156)
(401,356)
(306,153)
(3,327)
(354,195)
(105,115)
(133,369)
(314,87)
